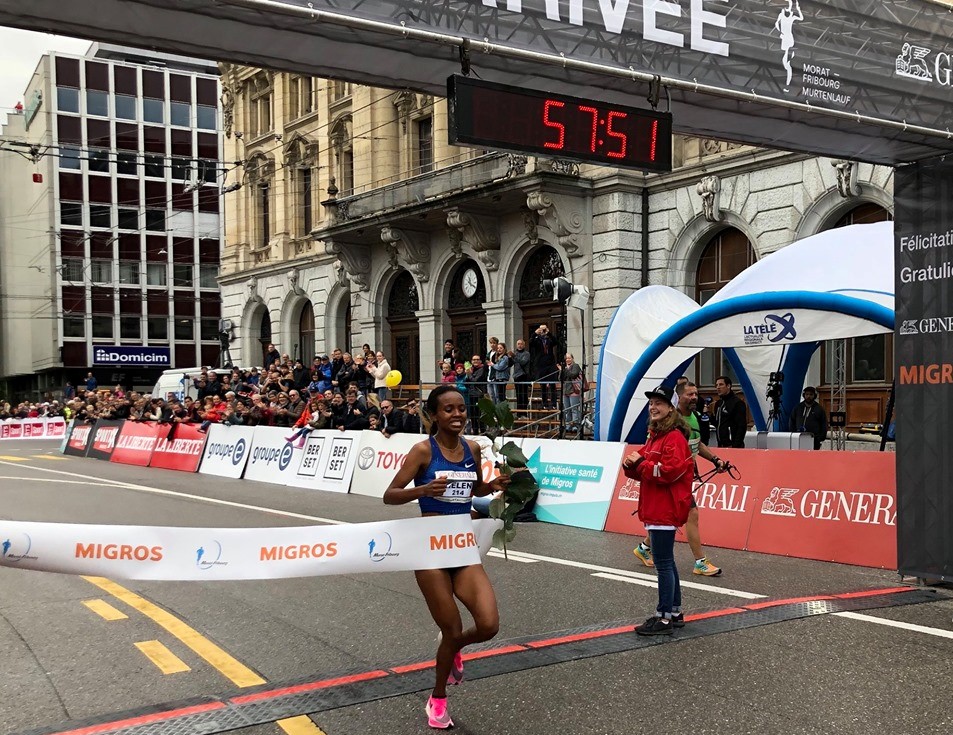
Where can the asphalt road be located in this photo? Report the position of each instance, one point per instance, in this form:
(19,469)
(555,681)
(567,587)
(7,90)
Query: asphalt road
(65,664)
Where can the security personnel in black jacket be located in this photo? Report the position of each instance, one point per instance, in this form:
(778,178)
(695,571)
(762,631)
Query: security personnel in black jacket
(810,417)
(731,415)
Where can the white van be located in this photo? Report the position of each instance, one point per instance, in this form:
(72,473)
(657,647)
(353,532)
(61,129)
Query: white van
(178,382)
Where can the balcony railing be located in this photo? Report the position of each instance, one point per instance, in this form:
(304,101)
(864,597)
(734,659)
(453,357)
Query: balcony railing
(376,198)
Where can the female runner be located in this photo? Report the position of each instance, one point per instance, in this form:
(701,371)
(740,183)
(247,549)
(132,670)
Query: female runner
(446,474)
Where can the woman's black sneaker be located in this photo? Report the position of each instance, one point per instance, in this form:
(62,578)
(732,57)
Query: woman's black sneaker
(655,626)
(678,620)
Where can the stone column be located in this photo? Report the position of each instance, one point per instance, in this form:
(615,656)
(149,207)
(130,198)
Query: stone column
(433,326)
(499,323)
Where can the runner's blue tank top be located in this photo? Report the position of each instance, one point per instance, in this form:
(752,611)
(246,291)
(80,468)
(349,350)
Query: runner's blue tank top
(462,477)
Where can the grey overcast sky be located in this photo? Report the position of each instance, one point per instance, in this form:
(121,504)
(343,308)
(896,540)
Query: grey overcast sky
(20,51)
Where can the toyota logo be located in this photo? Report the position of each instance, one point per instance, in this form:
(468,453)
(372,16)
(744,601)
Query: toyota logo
(366,458)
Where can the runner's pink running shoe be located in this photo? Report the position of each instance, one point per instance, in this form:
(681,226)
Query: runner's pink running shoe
(456,672)
(437,714)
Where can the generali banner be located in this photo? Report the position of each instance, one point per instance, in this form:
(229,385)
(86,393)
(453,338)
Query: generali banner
(136,442)
(831,506)
(179,448)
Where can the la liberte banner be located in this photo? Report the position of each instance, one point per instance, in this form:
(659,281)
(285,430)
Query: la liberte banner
(727,63)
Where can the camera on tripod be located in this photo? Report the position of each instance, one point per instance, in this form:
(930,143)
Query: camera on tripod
(775,387)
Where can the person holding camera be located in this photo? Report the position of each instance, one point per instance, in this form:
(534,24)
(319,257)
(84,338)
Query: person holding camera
(810,417)
(544,351)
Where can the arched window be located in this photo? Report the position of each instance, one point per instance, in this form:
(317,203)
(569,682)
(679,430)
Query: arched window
(467,318)
(306,333)
(264,331)
(869,358)
(403,302)
(726,255)
(536,304)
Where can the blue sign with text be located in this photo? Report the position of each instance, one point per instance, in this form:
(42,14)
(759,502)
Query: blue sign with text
(132,356)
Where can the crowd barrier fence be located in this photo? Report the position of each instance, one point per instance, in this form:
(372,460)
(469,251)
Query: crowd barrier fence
(837,507)
(36,428)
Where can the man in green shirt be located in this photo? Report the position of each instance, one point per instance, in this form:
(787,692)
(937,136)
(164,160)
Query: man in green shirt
(687,401)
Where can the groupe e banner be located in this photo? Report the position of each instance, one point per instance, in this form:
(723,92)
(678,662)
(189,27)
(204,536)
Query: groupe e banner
(198,554)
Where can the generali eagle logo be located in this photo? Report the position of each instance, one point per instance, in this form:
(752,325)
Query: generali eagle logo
(877,509)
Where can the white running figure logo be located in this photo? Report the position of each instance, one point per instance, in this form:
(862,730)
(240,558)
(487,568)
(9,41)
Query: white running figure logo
(785,26)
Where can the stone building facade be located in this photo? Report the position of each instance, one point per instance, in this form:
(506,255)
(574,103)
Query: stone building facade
(356,223)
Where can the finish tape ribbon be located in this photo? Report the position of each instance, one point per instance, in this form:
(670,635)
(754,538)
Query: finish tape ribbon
(197,554)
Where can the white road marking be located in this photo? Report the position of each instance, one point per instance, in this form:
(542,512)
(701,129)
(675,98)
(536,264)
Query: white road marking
(173,493)
(497,554)
(47,479)
(626,575)
(938,632)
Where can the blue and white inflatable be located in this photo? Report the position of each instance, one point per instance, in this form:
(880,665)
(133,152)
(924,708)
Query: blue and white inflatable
(774,315)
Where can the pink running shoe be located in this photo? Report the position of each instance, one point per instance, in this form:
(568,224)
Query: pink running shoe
(456,672)
(437,714)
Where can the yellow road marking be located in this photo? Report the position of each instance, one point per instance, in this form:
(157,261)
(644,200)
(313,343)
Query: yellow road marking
(166,661)
(227,665)
(104,610)
(51,457)
(10,458)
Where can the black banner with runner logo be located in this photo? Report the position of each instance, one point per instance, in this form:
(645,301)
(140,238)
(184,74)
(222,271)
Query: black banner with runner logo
(102,439)
(923,194)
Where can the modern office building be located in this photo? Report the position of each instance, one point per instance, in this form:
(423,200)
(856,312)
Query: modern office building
(357,223)
(110,229)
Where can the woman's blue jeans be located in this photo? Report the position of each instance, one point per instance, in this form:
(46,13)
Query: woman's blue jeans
(669,589)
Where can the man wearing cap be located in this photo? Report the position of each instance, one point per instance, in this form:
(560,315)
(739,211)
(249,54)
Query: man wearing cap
(687,393)
(810,417)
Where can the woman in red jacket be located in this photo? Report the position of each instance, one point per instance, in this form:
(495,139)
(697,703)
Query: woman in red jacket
(664,468)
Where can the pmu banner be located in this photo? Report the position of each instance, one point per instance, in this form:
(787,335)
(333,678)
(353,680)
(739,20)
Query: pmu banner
(726,64)
(180,448)
(923,360)
(204,554)
(103,438)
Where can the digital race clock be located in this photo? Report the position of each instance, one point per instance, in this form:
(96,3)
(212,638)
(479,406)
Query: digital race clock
(501,117)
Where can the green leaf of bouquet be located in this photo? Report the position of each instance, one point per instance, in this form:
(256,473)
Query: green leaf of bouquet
(514,455)
(488,412)
(510,534)
(499,538)
(496,506)
(506,415)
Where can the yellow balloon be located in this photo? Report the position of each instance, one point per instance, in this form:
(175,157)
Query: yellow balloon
(393,378)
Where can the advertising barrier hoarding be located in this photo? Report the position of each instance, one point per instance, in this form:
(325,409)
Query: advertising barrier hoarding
(227,450)
(378,461)
(272,457)
(179,448)
(103,438)
(136,442)
(327,461)
(36,428)
(829,506)
(78,441)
